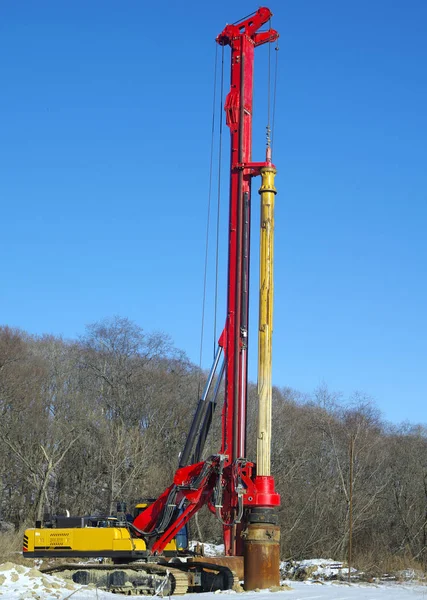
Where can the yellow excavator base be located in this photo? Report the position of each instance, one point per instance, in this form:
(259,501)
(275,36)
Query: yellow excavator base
(113,542)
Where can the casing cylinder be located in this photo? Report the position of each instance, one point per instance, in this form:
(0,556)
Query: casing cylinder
(262,553)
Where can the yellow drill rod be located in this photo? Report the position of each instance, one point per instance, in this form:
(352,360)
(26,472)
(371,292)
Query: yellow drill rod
(265,333)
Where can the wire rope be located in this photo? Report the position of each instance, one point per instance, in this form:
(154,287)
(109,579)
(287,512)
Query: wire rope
(221,121)
(205,274)
(269,87)
(274,94)
(244,18)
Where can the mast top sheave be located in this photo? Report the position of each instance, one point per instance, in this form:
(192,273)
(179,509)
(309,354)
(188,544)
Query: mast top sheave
(249,27)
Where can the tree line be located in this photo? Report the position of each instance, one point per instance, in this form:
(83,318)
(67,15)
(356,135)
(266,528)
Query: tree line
(88,422)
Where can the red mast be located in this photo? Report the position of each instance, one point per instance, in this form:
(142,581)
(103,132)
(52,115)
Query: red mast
(243,37)
(227,482)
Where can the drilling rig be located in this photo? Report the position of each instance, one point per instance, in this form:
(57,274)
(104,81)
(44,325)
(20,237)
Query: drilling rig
(240,492)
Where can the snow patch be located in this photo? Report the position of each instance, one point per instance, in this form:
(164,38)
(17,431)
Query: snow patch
(207,549)
(321,569)
(24,583)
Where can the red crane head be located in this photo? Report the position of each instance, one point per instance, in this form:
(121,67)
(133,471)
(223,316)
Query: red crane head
(249,28)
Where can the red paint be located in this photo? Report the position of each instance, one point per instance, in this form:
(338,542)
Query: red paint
(243,38)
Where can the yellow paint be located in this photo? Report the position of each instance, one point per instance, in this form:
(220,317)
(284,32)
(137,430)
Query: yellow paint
(86,539)
(265,332)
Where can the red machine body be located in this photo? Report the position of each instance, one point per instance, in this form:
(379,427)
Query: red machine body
(226,482)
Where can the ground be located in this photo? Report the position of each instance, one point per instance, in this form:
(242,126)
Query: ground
(24,583)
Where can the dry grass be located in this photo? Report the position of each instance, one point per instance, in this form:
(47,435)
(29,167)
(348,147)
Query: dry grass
(397,565)
(11,549)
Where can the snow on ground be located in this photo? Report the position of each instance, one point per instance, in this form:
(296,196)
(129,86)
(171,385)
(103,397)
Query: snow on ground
(26,583)
(316,568)
(23,583)
(331,591)
(208,549)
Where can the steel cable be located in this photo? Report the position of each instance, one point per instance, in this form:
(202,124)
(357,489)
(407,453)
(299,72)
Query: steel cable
(221,121)
(205,274)
(274,95)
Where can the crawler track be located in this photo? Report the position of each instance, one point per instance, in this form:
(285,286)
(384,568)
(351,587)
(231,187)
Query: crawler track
(145,578)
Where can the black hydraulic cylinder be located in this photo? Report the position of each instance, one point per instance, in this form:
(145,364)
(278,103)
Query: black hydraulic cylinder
(207,421)
(199,414)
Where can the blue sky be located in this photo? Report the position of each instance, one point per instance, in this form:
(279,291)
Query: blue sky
(105,122)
